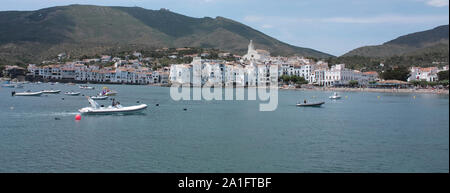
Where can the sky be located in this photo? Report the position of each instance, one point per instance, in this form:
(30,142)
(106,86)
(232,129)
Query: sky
(331,26)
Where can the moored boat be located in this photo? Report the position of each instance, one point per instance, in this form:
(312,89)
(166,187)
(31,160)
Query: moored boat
(51,91)
(316,104)
(9,85)
(99,97)
(72,93)
(86,87)
(27,93)
(107,92)
(335,96)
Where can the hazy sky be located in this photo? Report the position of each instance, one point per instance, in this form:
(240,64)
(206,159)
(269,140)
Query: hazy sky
(332,26)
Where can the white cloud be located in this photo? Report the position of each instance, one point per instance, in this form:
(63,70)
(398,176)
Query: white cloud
(393,19)
(437,3)
(388,19)
(267,26)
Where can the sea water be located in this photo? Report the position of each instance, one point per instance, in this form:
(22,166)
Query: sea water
(362,132)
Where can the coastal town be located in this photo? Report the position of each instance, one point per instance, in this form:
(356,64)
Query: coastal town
(251,69)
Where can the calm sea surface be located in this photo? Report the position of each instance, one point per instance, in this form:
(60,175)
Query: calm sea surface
(360,133)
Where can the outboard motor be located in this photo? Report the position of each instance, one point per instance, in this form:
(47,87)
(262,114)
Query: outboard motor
(13,93)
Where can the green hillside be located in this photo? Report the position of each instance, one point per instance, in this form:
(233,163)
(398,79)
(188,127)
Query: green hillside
(419,42)
(33,36)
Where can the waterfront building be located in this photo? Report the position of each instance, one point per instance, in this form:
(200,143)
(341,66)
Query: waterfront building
(338,75)
(180,73)
(14,71)
(371,76)
(428,74)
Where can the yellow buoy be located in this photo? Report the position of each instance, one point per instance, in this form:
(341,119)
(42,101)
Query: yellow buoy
(346,96)
(378,96)
(414,97)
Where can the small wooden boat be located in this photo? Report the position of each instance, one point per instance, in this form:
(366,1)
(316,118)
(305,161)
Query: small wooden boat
(318,104)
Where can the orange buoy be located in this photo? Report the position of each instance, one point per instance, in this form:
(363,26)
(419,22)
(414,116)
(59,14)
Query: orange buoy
(78,117)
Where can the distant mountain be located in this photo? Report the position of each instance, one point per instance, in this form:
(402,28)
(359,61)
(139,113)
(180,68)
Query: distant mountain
(430,41)
(32,36)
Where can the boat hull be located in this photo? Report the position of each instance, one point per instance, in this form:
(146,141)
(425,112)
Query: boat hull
(28,94)
(110,94)
(99,98)
(310,104)
(87,88)
(113,110)
(72,94)
(9,85)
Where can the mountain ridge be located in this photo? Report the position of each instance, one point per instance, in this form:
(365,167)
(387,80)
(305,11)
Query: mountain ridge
(84,29)
(430,40)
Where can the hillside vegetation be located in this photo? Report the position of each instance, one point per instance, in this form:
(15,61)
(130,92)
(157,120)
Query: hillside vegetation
(33,36)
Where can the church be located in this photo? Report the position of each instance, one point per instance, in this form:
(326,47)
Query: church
(255,55)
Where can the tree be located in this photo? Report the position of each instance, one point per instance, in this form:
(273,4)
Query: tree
(353,83)
(415,82)
(284,78)
(300,80)
(443,82)
(293,79)
(443,75)
(400,73)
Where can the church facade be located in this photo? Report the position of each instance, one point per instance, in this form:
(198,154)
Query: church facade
(255,54)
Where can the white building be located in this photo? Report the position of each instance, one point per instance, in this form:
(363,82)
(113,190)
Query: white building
(180,73)
(427,74)
(258,55)
(339,75)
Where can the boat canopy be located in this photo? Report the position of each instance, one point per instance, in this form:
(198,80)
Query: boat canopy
(93,103)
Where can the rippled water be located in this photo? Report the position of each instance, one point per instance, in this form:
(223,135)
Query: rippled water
(360,133)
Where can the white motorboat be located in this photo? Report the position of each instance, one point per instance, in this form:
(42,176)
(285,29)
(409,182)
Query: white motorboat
(72,93)
(335,96)
(27,93)
(317,104)
(107,92)
(111,93)
(51,91)
(99,97)
(95,108)
(9,85)
(87,87)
